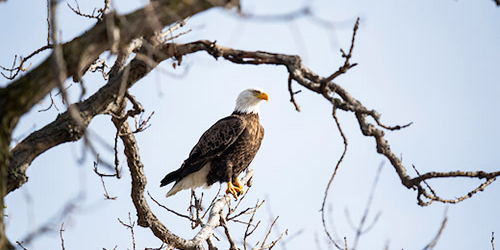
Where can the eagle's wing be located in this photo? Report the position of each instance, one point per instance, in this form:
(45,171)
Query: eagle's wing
(216,140)
(211,144)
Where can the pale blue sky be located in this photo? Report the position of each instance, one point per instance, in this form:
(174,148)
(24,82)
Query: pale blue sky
(434,63)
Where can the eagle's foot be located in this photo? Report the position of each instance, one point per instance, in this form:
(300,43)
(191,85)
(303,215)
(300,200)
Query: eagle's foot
(238,184)
(235,188)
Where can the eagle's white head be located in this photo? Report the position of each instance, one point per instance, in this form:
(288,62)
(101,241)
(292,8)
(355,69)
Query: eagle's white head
(248,101)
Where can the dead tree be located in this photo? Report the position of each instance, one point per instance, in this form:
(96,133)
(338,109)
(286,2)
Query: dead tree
(140,34)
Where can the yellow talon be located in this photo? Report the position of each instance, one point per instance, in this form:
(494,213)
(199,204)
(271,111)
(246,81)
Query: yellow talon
(239,186)
(231,189)
(235,188)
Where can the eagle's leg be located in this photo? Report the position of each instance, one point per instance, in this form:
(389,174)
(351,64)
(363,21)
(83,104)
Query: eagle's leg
(235,188)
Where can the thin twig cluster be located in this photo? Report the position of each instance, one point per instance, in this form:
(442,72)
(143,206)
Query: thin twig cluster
(96,13)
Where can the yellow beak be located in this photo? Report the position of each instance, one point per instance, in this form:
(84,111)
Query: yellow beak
(263,96)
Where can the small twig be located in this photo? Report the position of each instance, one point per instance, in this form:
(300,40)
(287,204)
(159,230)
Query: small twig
(232,210)
(52,103)
(249,210)
(273,243)
(141,125)
(347,65)
(268,232)
(117,159)
(61,236)
(96,163)
(105,9)
(168,209)
(48,22)
(101,175)
(20,244)
(360,229)
(369,227)
(254,226)
(176,36)
(392,128)
(247,232)
(292,94)
(130,226)
(14,71)
(65,89)
(432,244)
(91,16)
(106,194)
(223,223)
(492,240)
(425,182)
(179,24)
(212,202)
(195,209)
(332,177)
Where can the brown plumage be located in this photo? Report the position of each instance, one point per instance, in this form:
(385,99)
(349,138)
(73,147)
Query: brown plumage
(224,150)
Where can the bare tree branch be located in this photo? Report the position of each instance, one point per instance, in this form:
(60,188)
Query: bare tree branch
(20,244)
(268,232)
(361,227)
(347,64)
(61,236)
(106,194)
(269,246)
(168,209)
(101,12)
(52,103)
(323,220)
(292,94)
(433,242)
(130,226)
(492,240)
(223,223)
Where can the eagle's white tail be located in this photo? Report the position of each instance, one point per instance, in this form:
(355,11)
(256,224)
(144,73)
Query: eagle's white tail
(192,181)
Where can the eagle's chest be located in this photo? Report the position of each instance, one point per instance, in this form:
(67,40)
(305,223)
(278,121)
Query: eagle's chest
(245,148)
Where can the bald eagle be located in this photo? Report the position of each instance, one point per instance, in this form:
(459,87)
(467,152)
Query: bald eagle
(224,150)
